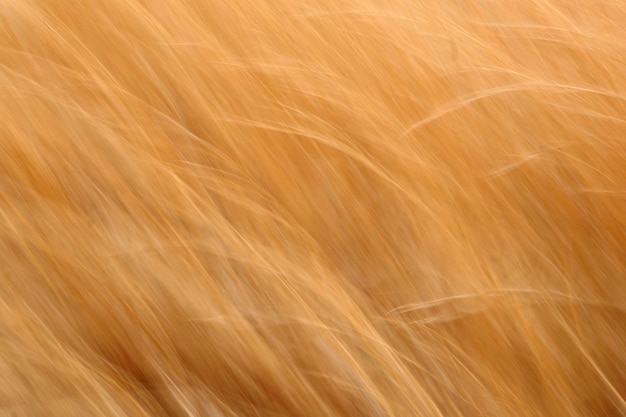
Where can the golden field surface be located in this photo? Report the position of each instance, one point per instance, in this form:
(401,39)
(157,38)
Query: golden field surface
(251,208)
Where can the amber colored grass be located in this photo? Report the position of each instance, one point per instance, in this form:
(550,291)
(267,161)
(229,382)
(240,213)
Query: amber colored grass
(312,208)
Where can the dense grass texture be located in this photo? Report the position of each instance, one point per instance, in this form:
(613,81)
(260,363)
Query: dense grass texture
(310,208)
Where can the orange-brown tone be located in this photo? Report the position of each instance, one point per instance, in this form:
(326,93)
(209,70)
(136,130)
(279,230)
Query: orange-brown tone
(312,208)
